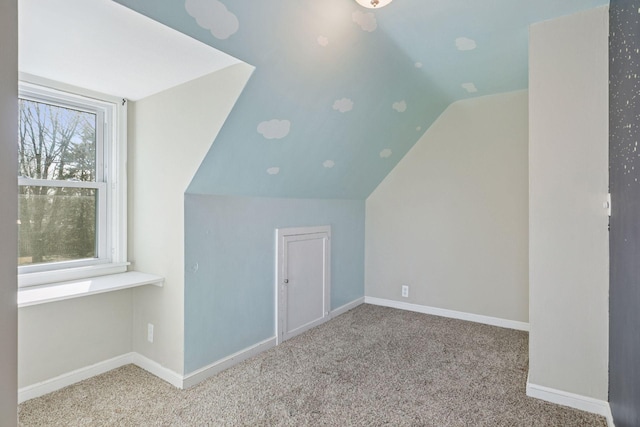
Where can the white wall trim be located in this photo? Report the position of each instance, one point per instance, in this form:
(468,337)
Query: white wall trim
(478,318)
(210,370)
(344,308)
(548,394)
(609,416)
(64,380)
(69,378)
(572,400)
(201,374)
(173,378)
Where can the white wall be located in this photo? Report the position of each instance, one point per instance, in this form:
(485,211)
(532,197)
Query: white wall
(568,166)
(60,337)
(451,219)
(8,210)
(76,333)
(170,133)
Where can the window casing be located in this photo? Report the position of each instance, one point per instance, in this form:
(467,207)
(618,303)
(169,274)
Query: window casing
(97,247)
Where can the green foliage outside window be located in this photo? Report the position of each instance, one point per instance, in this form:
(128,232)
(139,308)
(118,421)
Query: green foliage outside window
(57,222)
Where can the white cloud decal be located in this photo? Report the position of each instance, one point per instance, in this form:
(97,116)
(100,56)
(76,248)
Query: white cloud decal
(273,171)
(463,43)
(469,87)
(323,41)
(400,106)
(385,153)
(274,129)
(214,16)
(366,20)
(419,128)
(328,164)
(343,105)
(418,64)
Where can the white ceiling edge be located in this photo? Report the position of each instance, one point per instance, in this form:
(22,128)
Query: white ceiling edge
(105,47)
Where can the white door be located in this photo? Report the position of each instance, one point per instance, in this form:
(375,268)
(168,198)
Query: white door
(302,279)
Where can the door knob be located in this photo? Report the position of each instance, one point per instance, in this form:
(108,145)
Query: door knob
(286,280)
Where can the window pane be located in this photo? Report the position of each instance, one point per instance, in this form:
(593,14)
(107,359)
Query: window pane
(56,224)
(56,143)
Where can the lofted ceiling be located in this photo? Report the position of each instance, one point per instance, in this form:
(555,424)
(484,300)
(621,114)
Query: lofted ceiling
(101,46)
(340,93)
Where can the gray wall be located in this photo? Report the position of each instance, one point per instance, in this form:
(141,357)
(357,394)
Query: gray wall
(450,220)
(624,156)
(8,210)
(568,183)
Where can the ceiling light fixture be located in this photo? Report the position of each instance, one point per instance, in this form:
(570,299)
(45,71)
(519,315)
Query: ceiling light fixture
(374,4)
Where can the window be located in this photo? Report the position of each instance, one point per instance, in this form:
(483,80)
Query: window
(71,194)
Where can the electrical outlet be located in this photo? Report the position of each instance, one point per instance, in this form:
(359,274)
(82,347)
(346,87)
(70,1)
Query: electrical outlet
(150,332)
(405,291)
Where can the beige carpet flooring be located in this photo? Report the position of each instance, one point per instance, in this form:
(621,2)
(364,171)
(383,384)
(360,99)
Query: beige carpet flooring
(372,366)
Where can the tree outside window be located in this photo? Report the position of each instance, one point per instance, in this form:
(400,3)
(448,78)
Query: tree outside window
(58,195)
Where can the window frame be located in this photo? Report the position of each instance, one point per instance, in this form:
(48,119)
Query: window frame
(111,221)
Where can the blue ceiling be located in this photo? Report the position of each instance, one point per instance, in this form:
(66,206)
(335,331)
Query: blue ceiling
(340,93)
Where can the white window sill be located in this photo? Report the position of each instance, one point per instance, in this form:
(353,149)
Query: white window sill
(51,276)
(35,295)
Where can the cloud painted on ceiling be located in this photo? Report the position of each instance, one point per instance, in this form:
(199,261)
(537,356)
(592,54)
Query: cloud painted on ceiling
(469,87)
(343,105)
(386,153)
(328,164)
(337,84)
(274,128)
(323,41)
(400,106)
(214,16)
(463,43)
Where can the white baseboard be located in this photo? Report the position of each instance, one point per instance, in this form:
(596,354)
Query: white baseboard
(344,308)
(572,400)
(203,373)
(173,378)
(177,380)
(609,416)
(64,380)
(478,318)
(56,383)
(208,371)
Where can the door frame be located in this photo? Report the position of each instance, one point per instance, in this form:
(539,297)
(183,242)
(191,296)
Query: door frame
(280,276)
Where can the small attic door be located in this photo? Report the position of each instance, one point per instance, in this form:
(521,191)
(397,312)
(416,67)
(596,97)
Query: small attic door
(302,279)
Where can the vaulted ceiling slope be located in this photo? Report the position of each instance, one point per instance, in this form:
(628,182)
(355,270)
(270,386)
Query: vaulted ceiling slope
(101,46)
(340,93)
